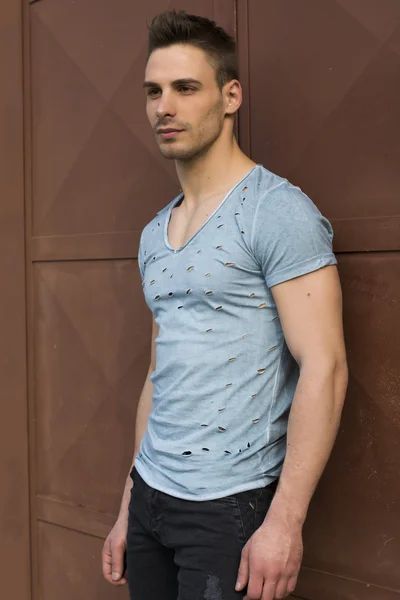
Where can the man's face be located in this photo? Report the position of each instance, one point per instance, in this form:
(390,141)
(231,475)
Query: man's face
(185,106)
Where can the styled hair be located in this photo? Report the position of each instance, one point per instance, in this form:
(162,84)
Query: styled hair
(178,27)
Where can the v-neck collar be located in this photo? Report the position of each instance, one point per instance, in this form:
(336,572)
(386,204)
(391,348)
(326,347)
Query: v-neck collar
(178,199)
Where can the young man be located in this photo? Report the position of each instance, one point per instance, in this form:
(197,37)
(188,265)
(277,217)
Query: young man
(247,378)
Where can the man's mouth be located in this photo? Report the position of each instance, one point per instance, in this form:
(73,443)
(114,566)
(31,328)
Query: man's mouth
(168,132)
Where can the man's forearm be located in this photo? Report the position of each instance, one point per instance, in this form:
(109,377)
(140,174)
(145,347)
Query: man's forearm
(312,429)
(142,416)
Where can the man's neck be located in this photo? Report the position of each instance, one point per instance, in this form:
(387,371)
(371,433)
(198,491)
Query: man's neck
(212,174)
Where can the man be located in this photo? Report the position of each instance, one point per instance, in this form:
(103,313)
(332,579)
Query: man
(247,378)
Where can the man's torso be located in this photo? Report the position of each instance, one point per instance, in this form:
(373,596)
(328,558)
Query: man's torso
(224,378)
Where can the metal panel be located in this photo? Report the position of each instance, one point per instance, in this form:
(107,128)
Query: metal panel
(98,246)
(94,179)
(95,163)
(324,586)
(97,178)
(70,567)
(14,500)
(327,115)
(366,234)
(354,527)
(93,175)
(92,337)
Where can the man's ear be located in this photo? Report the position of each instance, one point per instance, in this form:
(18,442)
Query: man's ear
(233,97)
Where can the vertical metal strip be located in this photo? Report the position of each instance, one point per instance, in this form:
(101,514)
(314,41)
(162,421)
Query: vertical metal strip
(27,141)
(242,28)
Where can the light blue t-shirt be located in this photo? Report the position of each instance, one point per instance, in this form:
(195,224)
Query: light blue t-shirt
(224,378)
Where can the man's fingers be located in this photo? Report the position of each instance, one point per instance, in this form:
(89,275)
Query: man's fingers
(117,564)
(243,573)
(106,560)
(255,587)
(292,582)
(113,562)
(120,582)
(268,592)
(281,590)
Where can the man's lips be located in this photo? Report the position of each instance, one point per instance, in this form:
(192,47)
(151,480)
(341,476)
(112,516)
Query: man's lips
(168,132)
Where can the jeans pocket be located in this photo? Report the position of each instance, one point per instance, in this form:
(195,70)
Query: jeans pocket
(263,503)
(231,500)
(253,507)
(247,505)
(247,519)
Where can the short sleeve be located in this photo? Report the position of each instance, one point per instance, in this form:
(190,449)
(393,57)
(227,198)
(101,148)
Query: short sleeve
(290,237)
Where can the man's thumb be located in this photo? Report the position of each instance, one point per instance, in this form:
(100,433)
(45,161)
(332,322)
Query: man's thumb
(117,562)
(243,574)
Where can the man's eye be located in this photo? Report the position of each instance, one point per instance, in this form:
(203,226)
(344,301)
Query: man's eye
(185,89)
(153,92)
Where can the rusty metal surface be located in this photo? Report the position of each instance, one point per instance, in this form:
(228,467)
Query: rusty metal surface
(14,503)
(97,179)
(323,113)
(353,528)
(323,586)
(70,567)
(87,86)
(92,335)
(327,115)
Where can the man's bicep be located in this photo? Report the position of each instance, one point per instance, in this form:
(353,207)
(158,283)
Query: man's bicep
(310,310)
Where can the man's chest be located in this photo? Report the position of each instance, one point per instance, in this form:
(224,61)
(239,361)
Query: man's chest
(214,270)
(184,225)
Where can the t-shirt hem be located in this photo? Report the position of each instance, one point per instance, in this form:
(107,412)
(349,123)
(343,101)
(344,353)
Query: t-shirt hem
(302,268)
(252,485)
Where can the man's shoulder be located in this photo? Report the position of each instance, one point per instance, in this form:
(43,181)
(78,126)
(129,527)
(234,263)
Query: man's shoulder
(268,180)
(262,184)
(271,205)
(259,189)
(270,184)
(274,193)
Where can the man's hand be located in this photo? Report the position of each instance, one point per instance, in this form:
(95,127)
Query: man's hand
(271,559)
(113,554)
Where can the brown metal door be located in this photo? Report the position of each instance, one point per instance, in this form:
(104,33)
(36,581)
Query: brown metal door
(14,489)
(322,107)
(95,178)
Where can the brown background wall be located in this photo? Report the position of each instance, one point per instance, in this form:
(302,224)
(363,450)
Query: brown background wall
(321,81)
(323,109)
(14,485)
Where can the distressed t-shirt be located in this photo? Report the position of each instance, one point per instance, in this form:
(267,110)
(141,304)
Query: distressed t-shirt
(224,377)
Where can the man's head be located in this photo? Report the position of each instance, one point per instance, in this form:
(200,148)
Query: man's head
(191,83)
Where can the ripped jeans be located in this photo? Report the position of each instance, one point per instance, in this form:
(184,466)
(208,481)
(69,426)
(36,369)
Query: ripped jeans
(184,550)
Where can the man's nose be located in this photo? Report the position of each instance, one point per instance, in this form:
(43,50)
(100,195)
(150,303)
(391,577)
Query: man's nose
(165,107)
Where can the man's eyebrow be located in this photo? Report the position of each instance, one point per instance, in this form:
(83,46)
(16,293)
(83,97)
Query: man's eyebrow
(187,81)
(176,83)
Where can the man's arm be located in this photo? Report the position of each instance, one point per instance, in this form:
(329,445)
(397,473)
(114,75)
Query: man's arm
(142,416)
(115,544)
(310,309)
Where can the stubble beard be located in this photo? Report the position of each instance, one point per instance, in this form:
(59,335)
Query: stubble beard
(209,131)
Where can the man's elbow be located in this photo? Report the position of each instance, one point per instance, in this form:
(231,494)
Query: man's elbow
(341,380)
(329,370)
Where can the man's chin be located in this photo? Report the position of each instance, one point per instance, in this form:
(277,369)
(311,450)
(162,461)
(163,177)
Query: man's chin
(172,153)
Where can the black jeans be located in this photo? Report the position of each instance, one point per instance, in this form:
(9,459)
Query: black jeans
(185,550)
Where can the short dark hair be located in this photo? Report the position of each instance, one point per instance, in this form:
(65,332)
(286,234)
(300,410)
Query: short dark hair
(178,27)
